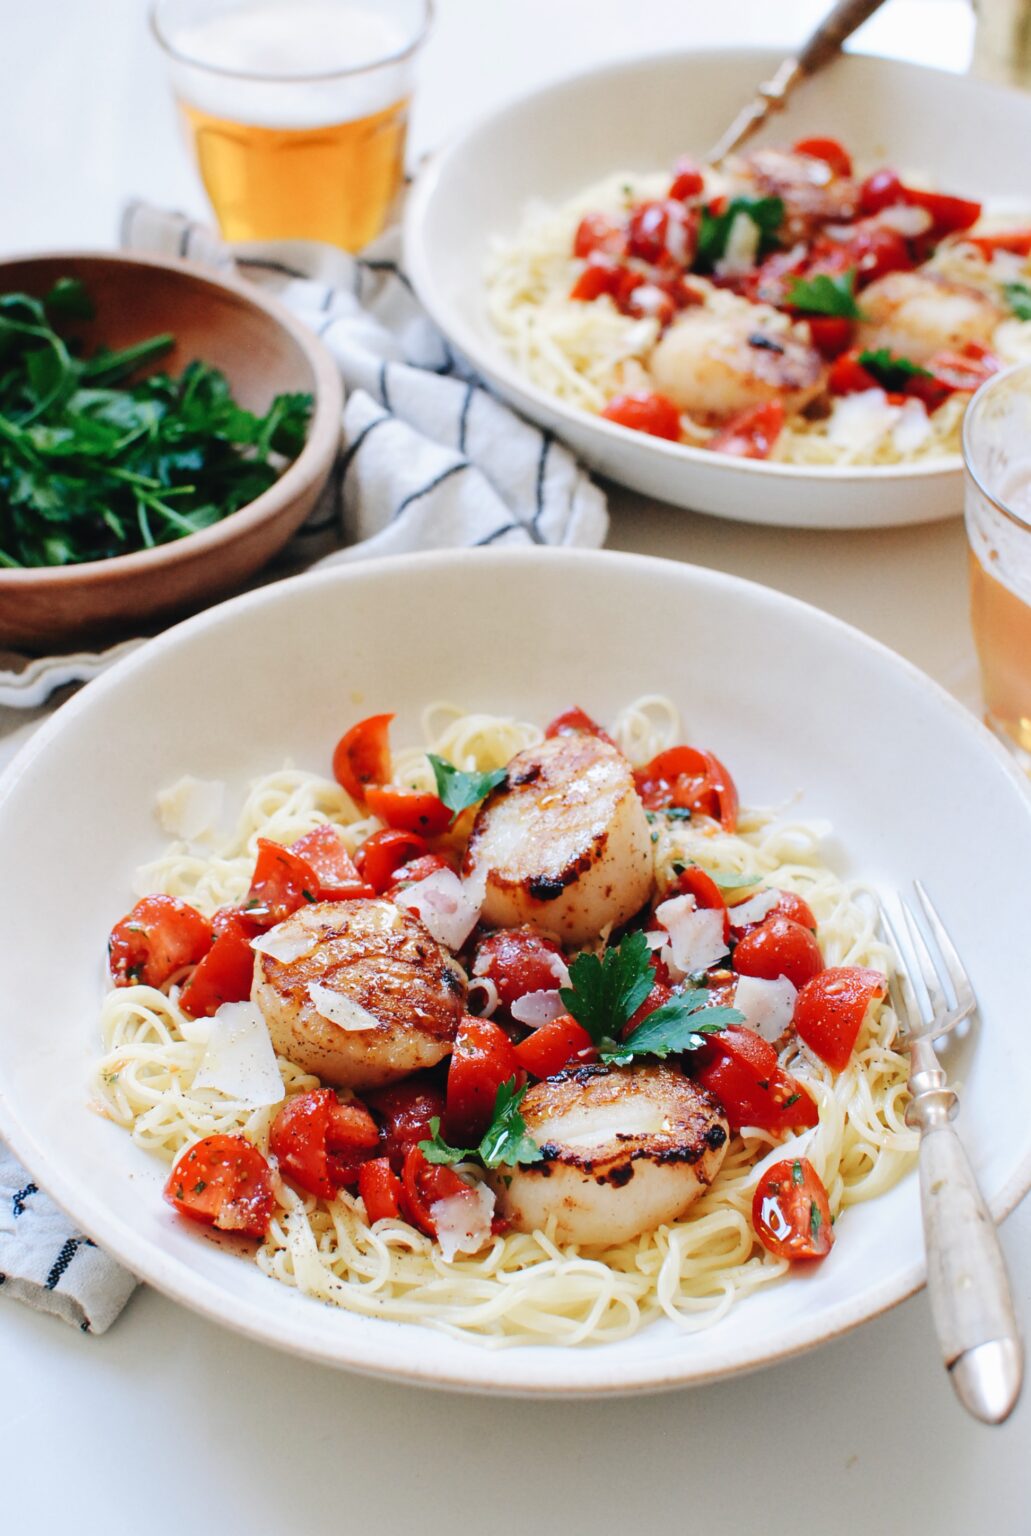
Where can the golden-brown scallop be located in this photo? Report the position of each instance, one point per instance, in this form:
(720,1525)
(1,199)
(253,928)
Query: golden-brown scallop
(812,195)
(715,363)
(397,995)
(563,844)
(916,314)
(625,1149)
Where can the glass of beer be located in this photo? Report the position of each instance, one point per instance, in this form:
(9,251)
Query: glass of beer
(297,110)
(997,454)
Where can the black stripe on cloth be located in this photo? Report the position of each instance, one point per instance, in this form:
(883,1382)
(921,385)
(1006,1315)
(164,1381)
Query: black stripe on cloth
(266,264)
(325,326)
(328,298)
(20,1197)
(499,532)
(383,392)
(463,420)
(349,453)
(542,464)
(184,239)
(61,1263)
(425,490)
(388,266)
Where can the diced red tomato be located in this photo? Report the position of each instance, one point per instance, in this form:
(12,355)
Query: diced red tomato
(662,231)
(742,1070)
(779,947)
(380,1189)
(874,251)
(405,1111)
(384,852)
(658,997)
(832,334)
(320,1142)
(226,971)
(881,190)
(605,275)
(517,961)
(224,1182)
(695,882)
(950,214)
(831,1007)
(574,721)
(424,1183)
(654,414)
(334,867)
(282,883)
(408,810)
(689,779)
(830,151)
(751,434)
(418,869)
(483,1058)
(157,938)
(848,376)
(688,181)
(1017,241)
(791,1214)
(788,905)
(548,1049)
(362,756)
(599,232)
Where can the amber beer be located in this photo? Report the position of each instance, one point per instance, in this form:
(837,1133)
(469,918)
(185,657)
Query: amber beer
(296,110)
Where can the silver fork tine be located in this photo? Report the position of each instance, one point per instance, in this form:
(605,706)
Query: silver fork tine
(936,996)
(904,998)
(965,999)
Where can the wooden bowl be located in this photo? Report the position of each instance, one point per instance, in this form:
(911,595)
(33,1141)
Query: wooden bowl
(263,351)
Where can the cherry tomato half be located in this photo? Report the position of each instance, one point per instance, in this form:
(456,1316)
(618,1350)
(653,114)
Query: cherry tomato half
(599,232)
(742,1070)
(779,947)
(226,971)
(791,1214)
(282,882)
(693,881)
(380,1189)
(688,181)
(419,869)
(408,810)
(224,1182)
(362,756)
(830,1009)
(548,1049)
(517,961)
(157,938)
(424,1183)
(405,1111)
(751,434)
(830,151)
(654,414)
(384,852)
(881,190)
(689,779)
(831,334)
(848,376)
(950,214)
(787,905)
(574,721)
(483,1058)
(320,1142)
(334,868)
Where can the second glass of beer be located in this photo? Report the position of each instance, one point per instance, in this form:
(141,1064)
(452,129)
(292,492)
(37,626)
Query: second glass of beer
(297,110)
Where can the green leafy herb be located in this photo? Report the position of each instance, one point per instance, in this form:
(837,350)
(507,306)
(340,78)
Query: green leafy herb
(679,1025)
(728,882)
(458,789)
(824,294)
(95,461)
(815,1219)
(506,1141)
(606,991)
(796,1171)
(891,371)
(766,213)
(1018,297)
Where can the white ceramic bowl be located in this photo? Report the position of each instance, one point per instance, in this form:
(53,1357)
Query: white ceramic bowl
(791,699)
(641,116)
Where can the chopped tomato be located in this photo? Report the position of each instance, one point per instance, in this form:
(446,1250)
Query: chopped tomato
(653,414)
(689,779)
(779,947)
(362,756)
(282,882)
(1016,241)
(695,882)
(599,232)
(881,190)
(418,869)
(157,938)
(829,151)
(791,1213)
(483,1058)
(380,1189)
(517,961)
(662,231)
(742,1070)
(604,275)
(831,334)
(875,251)
(548,1049)
(848,376)
(408,810)
(405,1111)
(224,1182)
(831,1007)
(383,853)
(950,214)
(423,1184)
(334,868)
(751,434)
(226,971)
(320,1142)
(787,905)
(658,997)
(687,182)
(574,721)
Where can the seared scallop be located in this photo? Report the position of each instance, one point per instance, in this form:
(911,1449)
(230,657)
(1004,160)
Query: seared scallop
(362,996)
(625,1149)
(809,190)
(715,363)
(916,314)
(563,844)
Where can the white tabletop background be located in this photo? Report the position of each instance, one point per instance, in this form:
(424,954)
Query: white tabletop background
(168,1424)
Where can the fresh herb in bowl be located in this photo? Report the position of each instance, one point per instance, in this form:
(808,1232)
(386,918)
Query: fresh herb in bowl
(93,464)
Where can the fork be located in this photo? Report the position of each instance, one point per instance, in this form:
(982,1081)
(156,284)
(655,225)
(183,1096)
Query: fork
(966,1274)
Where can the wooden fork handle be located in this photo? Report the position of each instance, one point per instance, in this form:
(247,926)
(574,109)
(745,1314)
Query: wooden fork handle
(833,31)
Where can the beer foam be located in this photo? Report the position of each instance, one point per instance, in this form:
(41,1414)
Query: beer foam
(297,58)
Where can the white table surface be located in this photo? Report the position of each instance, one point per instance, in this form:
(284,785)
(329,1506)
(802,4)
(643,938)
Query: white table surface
(168,1424)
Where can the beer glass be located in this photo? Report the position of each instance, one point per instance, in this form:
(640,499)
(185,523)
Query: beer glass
(997,455)
(296,110)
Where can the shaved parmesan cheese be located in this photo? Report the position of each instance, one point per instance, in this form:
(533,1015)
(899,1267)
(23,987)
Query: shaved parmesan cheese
(190,807)
(559,969)
(444,905)
(463,1221)
(768,1006)
(284,945)
(649,299)
(695,934)
(906,219)
(239,1060)
(656,940)
(912,428)
(340,1009)
(859,421)
(536,1008)
(742,247)
(754,909)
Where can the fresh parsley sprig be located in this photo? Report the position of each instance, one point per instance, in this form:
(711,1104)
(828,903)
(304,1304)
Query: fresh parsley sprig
(505,1142)
(1018,297)
(890,370)
(459,789)
(679,1025)
(826,294)
(766,213)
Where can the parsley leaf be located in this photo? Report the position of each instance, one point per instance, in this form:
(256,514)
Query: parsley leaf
(1018,297)
(766,213)
(458,789)
(506,1140)
(728,882)
(815,1219)
(890,370)
(824,294)
(606,991)
(679,1025)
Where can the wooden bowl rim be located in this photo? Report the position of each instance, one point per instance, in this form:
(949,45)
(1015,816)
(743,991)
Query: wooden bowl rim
(321,442)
